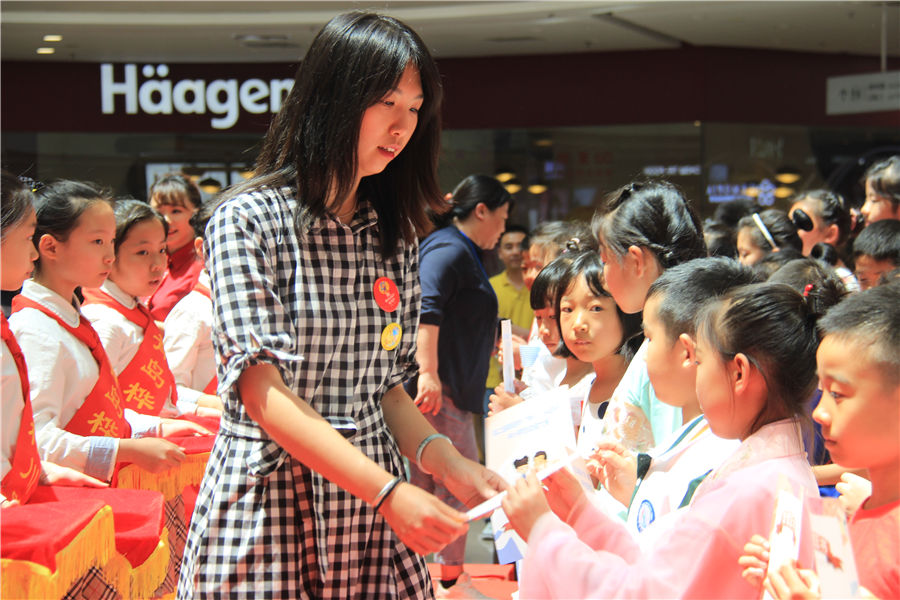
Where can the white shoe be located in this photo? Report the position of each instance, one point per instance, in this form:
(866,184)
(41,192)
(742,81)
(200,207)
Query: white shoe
(463,588)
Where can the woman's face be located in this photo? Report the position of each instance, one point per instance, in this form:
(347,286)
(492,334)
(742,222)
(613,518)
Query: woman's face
(819,230)
(748,252)
(491,226)
(141,260)
(589,323)
(388,124)
(17,252)
(878,207)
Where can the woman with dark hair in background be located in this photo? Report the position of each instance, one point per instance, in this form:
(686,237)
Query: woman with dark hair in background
(314,272)
(457,331)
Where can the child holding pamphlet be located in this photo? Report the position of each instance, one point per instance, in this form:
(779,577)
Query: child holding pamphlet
(756,353)
(859,373)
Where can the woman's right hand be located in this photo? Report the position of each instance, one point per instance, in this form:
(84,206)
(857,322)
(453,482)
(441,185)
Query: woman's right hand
(429,395)
(420,520)
(615,467)
(152,454)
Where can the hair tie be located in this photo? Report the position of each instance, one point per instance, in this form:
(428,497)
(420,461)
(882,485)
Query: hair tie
(573,245)
(807,289)
(765,231)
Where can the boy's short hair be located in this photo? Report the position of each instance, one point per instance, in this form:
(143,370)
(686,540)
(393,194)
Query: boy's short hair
(880,241)
(686,287)
(870,319)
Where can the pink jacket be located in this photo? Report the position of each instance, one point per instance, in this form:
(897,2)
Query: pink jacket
(697,556)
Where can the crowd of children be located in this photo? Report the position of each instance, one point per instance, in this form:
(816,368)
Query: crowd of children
(696,384)
(780,372)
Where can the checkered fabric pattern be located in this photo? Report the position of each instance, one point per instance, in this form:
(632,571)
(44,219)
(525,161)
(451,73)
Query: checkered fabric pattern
(92,586)
(176,525)
(264,524)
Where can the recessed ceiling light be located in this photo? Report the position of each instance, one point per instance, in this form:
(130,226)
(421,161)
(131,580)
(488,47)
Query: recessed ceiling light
(46,50)
(52,37)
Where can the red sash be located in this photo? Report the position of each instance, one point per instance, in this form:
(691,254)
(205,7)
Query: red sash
(101,413)
(213,385)
(23,477)
(147,382)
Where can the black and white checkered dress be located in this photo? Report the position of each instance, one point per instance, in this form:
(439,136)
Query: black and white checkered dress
(265,525)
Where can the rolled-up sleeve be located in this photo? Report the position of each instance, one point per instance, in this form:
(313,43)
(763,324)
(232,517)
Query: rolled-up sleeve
(251,323)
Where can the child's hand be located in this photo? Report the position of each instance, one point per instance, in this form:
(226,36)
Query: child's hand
(565,495)
(525,503)
(792,583)
(755,560)
(54,474)
(854,491)
(203,411)
(170,427)
(501,400)
(210,401)
(615,467)
(517,358)
(152,454)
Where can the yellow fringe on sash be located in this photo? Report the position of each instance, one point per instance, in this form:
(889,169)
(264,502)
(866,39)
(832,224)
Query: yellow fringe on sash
(148,576)
(93,546)
(170,482)
(118,573)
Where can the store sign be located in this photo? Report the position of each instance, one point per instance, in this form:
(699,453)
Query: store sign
(872,92)
(154,93)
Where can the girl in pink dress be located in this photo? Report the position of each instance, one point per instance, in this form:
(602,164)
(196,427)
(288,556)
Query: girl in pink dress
(755,353)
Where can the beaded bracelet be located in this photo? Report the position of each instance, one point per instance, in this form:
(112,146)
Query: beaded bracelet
(386,491)
(424,443)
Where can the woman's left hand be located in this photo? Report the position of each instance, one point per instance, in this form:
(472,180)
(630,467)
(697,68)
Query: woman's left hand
(471,483)
(525,504)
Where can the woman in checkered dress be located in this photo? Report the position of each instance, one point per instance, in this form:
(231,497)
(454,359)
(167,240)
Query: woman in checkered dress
(314,271)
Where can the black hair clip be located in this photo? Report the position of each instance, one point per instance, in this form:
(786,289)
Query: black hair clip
(32,184)
(801,220)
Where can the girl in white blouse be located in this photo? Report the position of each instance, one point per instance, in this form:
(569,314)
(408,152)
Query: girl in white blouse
(78,414)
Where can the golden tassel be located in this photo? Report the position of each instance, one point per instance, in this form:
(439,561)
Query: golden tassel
(93,546)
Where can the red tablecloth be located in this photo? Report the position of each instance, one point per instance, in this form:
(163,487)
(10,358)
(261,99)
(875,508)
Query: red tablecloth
(138,515)
(494,581)
(37,531)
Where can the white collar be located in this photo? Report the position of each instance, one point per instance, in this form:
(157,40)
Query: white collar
(125,299)
(68,311)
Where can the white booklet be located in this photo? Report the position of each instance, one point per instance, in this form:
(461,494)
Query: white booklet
(534,435)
